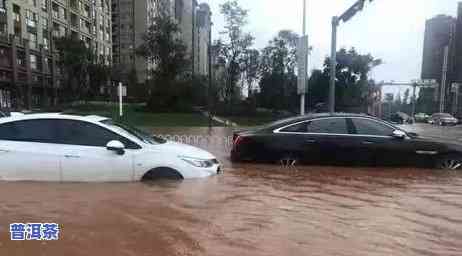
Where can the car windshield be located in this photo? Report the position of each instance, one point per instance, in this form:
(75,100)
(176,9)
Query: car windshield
(446,115)
(139,134)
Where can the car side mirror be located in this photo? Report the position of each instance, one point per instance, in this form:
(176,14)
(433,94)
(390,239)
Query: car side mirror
(399,134)
(116,146)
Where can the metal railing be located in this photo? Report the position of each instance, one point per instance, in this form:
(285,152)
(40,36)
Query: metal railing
(206,141)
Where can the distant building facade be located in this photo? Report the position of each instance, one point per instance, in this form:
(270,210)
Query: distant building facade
(132,18)
(195,21)
(439,33)
(28,30)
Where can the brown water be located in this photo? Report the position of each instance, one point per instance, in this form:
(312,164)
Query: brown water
(249,210)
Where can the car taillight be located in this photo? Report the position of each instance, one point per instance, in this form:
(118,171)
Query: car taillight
(238,140)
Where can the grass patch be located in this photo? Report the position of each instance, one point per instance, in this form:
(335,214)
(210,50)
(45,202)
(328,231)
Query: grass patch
(136,116)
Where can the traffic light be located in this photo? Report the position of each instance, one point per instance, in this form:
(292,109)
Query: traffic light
(358,6)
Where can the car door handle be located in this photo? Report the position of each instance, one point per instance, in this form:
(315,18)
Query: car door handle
(367,142)
(310,141)
(4,151)
(71,156)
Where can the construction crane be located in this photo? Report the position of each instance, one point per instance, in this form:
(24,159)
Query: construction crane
(414,84)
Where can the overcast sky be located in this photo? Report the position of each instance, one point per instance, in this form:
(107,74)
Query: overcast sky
(392,30)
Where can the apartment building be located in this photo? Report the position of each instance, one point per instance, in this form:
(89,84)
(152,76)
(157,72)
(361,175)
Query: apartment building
(195,22)
(132,18)
(28,29)
(202,37)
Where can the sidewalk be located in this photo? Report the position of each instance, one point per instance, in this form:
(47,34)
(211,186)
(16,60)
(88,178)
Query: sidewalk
(220,120)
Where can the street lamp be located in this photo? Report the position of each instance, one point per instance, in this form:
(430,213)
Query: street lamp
(302,51)
(355,8)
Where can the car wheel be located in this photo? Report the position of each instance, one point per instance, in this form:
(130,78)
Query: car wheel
(449,162)
(288,160)
(162,173)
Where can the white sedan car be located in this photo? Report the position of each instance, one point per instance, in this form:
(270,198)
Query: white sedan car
(56,147)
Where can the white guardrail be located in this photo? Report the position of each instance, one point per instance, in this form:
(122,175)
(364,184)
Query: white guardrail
(200,140)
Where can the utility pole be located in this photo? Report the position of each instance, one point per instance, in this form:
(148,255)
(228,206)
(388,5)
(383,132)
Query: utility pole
(193,37)
(302,96)
(414,99)
(333,65)
(302,51)
(455,99)
(210,74)
(443,80)
(346,16)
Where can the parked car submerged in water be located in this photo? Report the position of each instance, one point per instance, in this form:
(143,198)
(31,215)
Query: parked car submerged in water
(401,118)
(443,119)
(421,118)
(342,139)
(55,147)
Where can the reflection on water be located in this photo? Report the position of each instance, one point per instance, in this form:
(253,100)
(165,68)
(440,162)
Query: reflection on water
(249,210)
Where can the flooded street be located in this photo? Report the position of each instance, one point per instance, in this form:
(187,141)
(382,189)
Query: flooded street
(249,210)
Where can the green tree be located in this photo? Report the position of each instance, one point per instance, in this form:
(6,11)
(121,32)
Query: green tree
(318,85)
(99,77)
(233,48)
(74,59)
(278,82)
(163,48)
(251,68)
(352,80)
(425,101)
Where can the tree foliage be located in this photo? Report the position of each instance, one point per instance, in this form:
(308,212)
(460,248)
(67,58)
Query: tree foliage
(278,82)
(82,74)
(74,61)
(352,80)
(165,51)
(233,47)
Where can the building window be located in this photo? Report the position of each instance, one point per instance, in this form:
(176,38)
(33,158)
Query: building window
(44,23)
(32,40)
(33,2)
(33,62)
(31,19)
(46,43)
(16,13)
(179,10)
(44,5)
(2,6)
(3,28)
(45,62)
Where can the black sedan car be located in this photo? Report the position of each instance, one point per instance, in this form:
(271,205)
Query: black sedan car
(342,139)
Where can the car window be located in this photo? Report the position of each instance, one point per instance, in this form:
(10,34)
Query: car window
(328,125)
(40,130)
(371,127)
(74,132)
(296,128)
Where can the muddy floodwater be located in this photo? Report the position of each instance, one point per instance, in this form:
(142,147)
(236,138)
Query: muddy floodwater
(249,210)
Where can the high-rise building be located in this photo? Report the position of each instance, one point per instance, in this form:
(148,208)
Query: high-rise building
(132,18)
(203,30)
(28,29)
(439,32)
(438,57)
(195,21)
(456,67)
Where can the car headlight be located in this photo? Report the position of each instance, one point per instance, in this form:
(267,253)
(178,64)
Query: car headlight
(201,163)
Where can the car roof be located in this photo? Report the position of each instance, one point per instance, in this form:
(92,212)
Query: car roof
(313,116)
(90,118)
